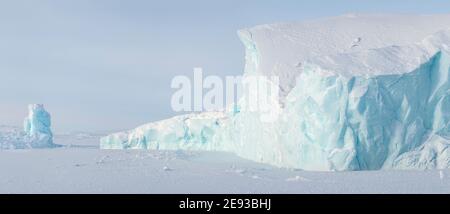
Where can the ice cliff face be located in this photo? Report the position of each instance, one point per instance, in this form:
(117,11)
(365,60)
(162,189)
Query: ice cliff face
(357,93)
(37,131)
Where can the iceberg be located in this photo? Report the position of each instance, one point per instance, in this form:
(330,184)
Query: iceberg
(357,92)
(37,131)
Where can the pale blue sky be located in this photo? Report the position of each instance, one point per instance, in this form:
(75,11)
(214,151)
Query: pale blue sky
(101,65)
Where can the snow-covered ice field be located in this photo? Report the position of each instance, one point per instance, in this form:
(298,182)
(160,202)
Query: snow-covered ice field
(80,167)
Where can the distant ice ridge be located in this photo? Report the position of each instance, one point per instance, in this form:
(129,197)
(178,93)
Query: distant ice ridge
(36,134)
(359,92)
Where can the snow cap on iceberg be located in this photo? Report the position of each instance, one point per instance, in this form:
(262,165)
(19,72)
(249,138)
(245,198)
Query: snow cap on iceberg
(282,48)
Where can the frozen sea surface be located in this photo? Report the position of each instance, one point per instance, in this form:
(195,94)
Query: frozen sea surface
(80,167)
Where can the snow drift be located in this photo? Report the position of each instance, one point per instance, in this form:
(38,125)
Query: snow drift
(36,134)
(357,92)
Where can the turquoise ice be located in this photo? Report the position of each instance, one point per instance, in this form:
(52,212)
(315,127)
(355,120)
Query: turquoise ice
(37,126)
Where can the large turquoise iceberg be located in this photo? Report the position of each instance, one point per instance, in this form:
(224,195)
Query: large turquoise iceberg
(357,92)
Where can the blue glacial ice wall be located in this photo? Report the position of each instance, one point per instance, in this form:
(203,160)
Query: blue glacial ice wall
(382,108)
(37,131)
